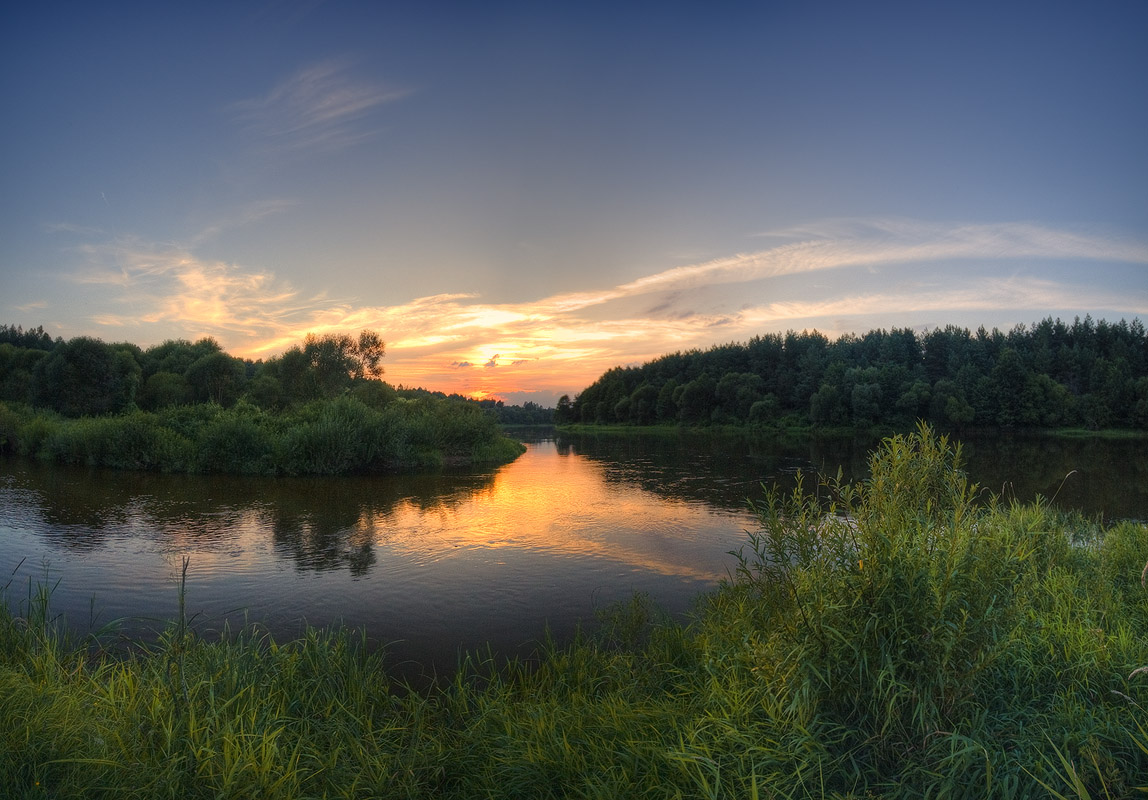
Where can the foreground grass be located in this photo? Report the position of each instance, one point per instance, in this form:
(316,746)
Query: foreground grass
(896,639)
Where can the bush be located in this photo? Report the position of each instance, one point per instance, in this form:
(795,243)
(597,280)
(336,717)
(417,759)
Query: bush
(10,422)
(331,438)
(326,437)
(894,603)
(234,442)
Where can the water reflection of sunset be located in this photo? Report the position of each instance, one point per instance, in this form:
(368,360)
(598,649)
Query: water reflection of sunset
(560,505)
(426,563)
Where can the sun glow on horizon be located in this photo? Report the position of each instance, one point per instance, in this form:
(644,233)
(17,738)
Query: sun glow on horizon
(458,343)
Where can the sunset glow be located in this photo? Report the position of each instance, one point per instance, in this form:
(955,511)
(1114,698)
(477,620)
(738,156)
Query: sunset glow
(517,205)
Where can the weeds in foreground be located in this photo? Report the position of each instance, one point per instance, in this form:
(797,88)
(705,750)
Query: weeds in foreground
(897,638)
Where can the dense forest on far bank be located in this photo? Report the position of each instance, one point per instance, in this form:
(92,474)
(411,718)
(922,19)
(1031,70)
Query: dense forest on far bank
(181,406)
(1048,375)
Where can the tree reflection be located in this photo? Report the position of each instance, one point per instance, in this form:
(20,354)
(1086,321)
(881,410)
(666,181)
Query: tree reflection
(1109,477)
(722,470)
(319,523)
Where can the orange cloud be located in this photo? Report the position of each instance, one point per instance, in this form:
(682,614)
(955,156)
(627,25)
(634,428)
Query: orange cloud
(561,343)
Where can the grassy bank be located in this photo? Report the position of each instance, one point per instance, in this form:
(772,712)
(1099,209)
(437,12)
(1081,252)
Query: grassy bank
(324,437)
(794,427)
(895,639)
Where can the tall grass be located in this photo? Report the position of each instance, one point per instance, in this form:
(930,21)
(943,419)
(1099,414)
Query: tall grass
(327,437)
(905,637)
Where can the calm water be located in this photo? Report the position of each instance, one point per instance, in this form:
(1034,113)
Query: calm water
(433,564)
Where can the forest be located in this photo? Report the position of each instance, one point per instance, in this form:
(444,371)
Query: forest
(180,406)
(1049,375)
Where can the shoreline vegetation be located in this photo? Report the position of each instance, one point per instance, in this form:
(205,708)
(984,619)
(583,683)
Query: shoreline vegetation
(801,432)
(898,637)
(324,437)
(1048,376)
(321,408)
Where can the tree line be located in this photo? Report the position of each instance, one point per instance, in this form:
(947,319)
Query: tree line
(182,406)
(86,376)
(1051,374)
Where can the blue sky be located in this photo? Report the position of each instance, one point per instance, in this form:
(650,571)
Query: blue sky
(520,196)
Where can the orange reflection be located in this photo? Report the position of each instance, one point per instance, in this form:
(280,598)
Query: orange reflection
(563,505)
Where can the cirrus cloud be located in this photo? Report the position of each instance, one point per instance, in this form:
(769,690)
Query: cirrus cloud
(834,276)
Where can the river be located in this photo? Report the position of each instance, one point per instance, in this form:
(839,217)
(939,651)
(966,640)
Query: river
(433,565)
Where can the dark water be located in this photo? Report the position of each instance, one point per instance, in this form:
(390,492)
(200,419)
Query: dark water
(433,564)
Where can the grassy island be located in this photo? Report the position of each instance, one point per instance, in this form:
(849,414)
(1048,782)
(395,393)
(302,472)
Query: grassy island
(324,437)
(903,637)
(320,408)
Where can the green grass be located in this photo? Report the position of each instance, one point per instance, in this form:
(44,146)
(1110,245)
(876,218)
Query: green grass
(898,638)
(326,437)
(1109,433)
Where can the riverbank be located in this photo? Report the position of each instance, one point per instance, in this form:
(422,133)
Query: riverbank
(324,437)
(795,428)
(931,644)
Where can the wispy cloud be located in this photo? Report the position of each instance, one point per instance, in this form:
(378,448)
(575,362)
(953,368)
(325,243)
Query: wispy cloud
(168,285)
(77,230)
(876,242)
(883,274)
(241,218)
(321,107)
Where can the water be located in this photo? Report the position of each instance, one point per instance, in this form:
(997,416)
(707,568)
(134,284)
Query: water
(433,565)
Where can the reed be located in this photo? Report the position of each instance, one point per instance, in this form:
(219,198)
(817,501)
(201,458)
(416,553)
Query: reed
(325,437)
(906,637)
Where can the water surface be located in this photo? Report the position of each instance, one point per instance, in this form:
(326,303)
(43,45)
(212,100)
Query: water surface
(434,564)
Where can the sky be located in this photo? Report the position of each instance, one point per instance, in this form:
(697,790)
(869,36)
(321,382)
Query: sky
(520,196)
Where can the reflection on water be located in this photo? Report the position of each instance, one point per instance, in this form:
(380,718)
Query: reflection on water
(432,563)
(437,561)
(1099,477)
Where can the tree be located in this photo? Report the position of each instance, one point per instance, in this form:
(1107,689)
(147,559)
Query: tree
(666,407)
(164,389)
(564,412)
(644,405)
(695,404)
(866,402)
(85,377)
(337,360)
(765,410)
(1009,378)
(217,378)
(176,355)
(737,391)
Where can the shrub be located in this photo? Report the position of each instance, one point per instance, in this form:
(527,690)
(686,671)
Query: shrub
(235,443)
(333,437)
(895,601)
(34,432)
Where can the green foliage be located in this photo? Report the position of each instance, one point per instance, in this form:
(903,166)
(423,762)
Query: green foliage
(164,389)
(904,637)
(132,441)
(333,438)
(318,409)
(86,377)
(215,378)
(236,441)
(1048,375)
(322,438)
(894,602)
